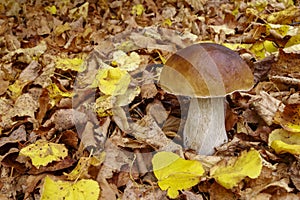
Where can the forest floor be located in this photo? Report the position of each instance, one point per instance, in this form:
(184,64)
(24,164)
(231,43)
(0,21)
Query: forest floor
(82,115)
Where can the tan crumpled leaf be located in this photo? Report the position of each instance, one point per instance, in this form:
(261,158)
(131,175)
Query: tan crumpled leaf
(222,28)
(230,173)
(27,54)
(266,106)
(127,62)
(283,141)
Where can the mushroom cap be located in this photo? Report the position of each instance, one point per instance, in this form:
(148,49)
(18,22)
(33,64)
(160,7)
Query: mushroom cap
(205,70)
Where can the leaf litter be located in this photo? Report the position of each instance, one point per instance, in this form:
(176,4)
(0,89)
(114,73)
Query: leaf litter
(82,76)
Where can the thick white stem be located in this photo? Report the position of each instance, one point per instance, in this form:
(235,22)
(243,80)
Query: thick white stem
(205,125)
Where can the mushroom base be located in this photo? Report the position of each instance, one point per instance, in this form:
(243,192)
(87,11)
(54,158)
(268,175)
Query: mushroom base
(205,125)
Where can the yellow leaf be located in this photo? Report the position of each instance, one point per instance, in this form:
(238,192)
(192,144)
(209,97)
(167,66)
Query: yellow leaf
(258,49)
(128,63)
(175,173)
(56,94)
(235,46)
(112,81)
(289,119)
(42,152)
(51,9)
(270,46)
(229,174)
(81,11)
(75,64)
(103,105)
(137,9)
(62,28)
(167,22)
(284,16)
(283,141)
(282,30)
(16,88)
(293,40)
(82,168)
(84,189)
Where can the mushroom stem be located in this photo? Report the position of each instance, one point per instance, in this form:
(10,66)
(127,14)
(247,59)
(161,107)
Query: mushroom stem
(205,125)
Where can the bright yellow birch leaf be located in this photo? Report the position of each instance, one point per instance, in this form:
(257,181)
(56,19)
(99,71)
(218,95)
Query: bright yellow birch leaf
(75,64)
(85,189)
(289,119)
(175,173)
(112,81)
(283,141)
(43,152)
(230,173)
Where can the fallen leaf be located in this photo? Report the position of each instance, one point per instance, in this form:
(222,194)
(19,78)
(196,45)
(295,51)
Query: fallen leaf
(42,152)
(82,167)
(283,141)
(175,173)
(75,64)
(51,9)
(81,11)
(137,9)
(229,174)
(112,81)
(56,94)
(127,62)
(289,118)
(284,16)
(81,190)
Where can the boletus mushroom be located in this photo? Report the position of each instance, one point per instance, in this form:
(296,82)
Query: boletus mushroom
(206,72)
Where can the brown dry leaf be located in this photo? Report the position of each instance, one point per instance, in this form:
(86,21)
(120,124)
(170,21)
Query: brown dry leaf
(115,159)
(18,135)
(148,131)
(107,191)
(217,192)
(27,55)
(191,196)
(66,119)
(266,106)
(134,191)
(157,111)
(148,91)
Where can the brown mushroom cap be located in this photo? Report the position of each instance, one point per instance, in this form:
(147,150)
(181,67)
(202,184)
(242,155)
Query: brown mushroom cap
(205,70)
